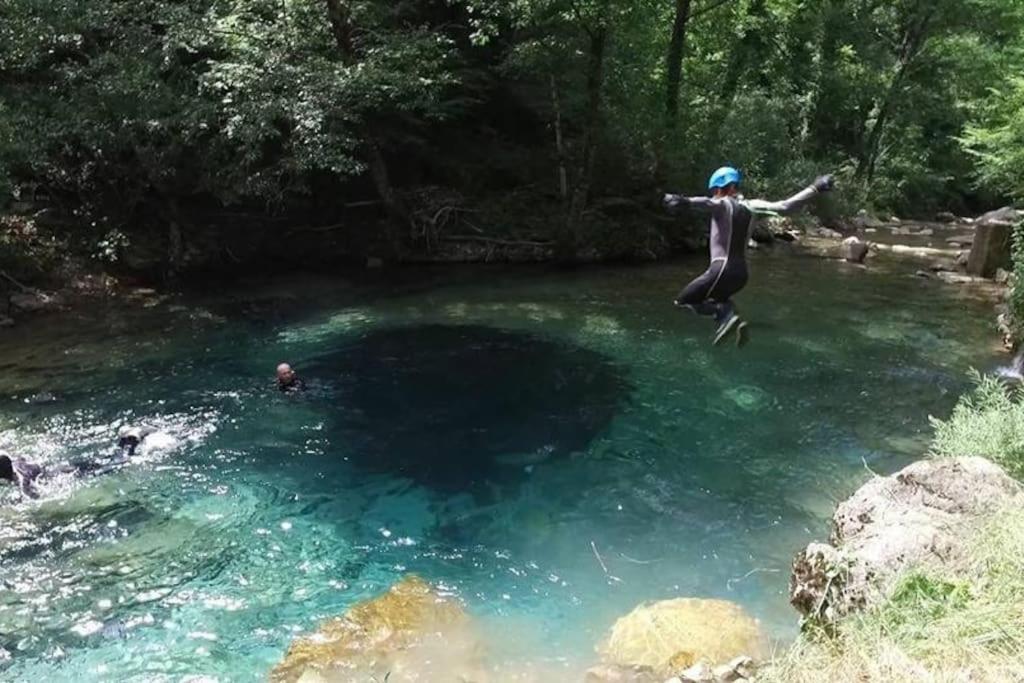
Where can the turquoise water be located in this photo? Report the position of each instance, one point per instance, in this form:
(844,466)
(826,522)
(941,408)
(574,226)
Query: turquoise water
(554,447)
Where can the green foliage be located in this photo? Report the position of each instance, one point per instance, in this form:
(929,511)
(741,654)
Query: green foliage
(126,112)
(988,422)
(1017,284)
(996,139)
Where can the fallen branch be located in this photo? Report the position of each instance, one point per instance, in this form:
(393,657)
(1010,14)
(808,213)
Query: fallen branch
(496,241)
(730,582)
(593,547)
(322,228)
(27,290)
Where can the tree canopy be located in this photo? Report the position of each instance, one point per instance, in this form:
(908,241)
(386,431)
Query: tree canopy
(132,115)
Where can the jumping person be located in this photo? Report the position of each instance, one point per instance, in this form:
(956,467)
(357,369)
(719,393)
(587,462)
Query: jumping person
(732,219)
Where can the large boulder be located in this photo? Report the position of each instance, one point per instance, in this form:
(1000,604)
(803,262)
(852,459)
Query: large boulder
(670,636)
(993,242)
(854,250)
(919,516)
(411,633)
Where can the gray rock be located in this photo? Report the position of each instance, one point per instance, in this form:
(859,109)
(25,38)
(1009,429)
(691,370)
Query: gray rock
(943,266)
(959,278)
(739,669)
(1004,216)
(698,673)
(946,217)
(919,516)
(828,233)
(1002,276)
(865,220)
(374,262)
(763,234)
(854,250)
(991,248)
(923,274)
(6,322)
(962,258)
(35,302)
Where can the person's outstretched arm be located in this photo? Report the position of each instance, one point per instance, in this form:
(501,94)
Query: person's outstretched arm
(683,202)
(787,206)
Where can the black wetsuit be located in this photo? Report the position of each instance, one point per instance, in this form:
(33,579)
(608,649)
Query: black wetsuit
(22,473)
(295,386)
(25,474)
(732,221)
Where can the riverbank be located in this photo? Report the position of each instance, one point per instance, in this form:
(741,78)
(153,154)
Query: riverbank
(925,577)
(41,273)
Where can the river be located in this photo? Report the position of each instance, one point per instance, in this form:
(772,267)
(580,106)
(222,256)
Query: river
(554,447)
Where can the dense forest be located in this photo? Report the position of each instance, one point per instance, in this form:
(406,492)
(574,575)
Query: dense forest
(217,129)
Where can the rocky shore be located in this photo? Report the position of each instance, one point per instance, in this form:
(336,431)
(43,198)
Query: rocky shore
(919,518)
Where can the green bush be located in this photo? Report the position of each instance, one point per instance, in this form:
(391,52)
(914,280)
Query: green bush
(1017,291)
(988,422)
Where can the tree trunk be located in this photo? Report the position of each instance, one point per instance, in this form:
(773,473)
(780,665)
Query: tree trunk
(339,14)
(674,62)
(563,176)
(585,172)
(746,56)
(821,127)
(914,38)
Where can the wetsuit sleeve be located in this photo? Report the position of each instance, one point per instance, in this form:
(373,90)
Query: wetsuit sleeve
(27,488)
(786,206)
(678,201)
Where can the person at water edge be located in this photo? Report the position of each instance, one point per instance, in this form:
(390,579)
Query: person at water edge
(732,219)
(287,381)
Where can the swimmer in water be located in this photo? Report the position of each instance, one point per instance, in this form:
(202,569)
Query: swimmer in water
(25,475)
(21,473)
(732,223)
(287,381)
(129,439)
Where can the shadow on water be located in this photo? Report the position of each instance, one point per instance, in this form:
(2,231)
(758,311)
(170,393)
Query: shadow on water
(453,405)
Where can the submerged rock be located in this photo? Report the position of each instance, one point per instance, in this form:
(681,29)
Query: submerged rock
(673,635)
(920,515)
(411,633)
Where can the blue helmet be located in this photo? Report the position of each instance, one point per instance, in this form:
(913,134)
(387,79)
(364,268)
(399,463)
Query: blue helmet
(727,175)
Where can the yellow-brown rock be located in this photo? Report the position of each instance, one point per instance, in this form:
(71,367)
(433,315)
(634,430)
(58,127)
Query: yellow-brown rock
(665,635)
(411,633)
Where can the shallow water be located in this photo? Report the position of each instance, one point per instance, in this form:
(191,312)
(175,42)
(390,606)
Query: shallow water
(553,447)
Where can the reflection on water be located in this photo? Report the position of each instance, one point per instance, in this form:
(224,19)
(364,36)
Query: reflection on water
(554,448)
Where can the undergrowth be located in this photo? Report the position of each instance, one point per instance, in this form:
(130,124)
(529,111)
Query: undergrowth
(956,624)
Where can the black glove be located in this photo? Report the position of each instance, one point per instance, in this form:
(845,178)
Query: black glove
(824,183)
(675,201)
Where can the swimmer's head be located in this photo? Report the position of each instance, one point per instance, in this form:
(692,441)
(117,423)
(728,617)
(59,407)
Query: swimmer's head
(129,439)
(285,374)
(6,467)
